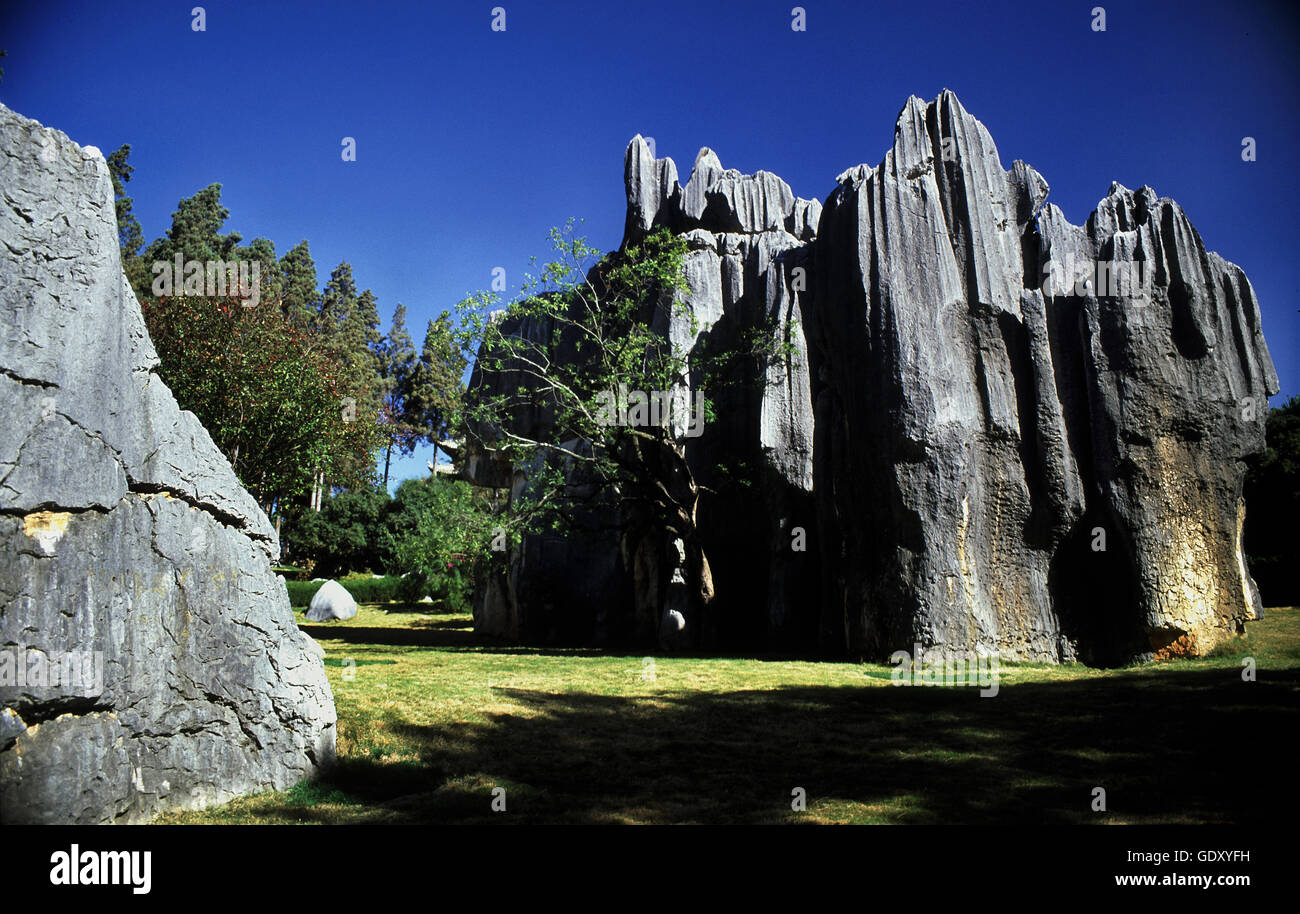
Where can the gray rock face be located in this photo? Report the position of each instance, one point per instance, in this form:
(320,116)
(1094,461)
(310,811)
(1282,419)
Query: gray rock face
(707,170)
(129,542)
(653,192)
(997,432)
(11,726)
(332,601)
(1021,463)
(599,587)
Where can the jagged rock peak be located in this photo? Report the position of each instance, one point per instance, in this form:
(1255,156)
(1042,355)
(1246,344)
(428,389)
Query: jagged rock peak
(716,199)
(997,453)
(706,171)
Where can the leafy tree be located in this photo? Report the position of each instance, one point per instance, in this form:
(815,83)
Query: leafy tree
(347,534)
(435,532)
(196,236)
(348,325)
(1272,493)
(567,348)
(270,283)
(365,346)
(271,404)
(269,383)
(342,329)
(363,324)
(440,537)
(338,301)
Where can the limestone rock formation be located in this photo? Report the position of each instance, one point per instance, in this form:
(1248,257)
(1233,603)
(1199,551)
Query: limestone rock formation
(1023,461)
(998,431)
(129,542)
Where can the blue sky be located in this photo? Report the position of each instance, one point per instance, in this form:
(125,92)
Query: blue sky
(472,143)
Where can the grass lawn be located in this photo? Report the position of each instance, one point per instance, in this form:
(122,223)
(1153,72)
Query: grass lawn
(431,720)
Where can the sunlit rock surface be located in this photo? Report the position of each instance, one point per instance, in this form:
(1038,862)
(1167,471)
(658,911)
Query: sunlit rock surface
(998,431)
(128,542)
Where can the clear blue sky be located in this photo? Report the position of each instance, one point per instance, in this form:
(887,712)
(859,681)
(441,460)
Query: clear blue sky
(472,143)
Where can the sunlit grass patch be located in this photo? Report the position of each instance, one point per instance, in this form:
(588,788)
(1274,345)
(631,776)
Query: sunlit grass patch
(432,720)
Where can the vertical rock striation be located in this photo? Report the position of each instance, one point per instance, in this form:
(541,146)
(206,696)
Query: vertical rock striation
(129,542)
(998,431)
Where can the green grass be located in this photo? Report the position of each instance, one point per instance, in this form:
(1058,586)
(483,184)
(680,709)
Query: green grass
(431,720)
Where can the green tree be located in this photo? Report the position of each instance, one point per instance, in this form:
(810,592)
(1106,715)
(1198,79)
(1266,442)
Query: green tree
(365,346)
(440,537)
(196,236)
(364,321)
(435,532)
(436,387)
(566,349)
(344,327)
(348,324)
(346,534)
(337,302)
(270,283)
(300,297)
(269,383)
(129,236)
(195,233)
(271,404)
(397,361)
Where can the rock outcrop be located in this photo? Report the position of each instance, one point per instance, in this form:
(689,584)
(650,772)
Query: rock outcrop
(153,661)
(998,431)
(331,602)
(1037,431)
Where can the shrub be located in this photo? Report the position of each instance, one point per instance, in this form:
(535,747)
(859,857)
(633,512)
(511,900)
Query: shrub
(347,533)
(439,538)
(301,592)
(372,590)
(431,538)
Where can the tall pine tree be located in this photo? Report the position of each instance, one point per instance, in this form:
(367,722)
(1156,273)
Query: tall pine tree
(436,388)
(196,231)
(397,367)
(299,296)
(337,302)
(129,236)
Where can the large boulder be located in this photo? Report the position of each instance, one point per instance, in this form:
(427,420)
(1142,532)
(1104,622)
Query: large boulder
(128,542)
(331,602)
(997,431)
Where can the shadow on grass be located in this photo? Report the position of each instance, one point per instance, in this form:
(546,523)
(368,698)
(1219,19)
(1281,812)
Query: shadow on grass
(422,609)
(1167,746)
(445,633)
(455,632)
